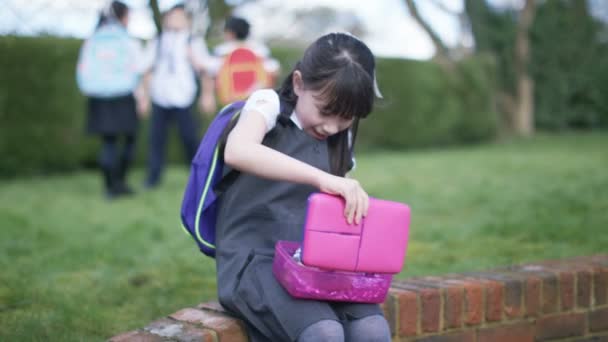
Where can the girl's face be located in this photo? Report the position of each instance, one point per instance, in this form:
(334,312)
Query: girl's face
(307,110)
(176,20)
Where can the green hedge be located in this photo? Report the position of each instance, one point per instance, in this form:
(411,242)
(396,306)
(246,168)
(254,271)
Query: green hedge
(40,107)
(425,106)
(42,113)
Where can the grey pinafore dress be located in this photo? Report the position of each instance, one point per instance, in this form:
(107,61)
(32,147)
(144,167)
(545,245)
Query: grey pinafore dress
(255,213)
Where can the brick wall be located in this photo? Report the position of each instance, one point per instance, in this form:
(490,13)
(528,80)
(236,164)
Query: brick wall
(559,300)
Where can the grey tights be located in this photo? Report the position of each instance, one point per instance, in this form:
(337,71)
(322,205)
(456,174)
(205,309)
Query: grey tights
(367,329)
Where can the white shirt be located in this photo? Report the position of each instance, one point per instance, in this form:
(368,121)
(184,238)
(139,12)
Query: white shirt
(173,77)
(266,102)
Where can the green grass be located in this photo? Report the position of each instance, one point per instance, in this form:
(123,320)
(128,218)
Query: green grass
(75,267)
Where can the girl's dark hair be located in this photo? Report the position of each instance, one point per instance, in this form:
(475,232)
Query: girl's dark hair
(238,26)
(116,10)
(341,68)
(119,9)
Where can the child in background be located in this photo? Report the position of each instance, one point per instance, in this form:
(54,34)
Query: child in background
(236,35)
(288,144)
(173,60)
(108,75)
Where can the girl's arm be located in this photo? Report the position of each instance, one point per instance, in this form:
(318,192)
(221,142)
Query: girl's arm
(244,151)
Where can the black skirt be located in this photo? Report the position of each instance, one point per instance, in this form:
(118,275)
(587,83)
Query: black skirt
(115,115)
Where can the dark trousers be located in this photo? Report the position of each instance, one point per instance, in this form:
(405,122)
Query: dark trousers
(161,119)
(115,160)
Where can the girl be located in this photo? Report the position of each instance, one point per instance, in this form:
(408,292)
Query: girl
(111,102)
(288,145)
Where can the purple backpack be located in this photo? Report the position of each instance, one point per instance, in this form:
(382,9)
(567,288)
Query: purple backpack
(199,205)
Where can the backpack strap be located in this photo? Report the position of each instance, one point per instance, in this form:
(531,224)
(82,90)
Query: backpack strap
(230,177)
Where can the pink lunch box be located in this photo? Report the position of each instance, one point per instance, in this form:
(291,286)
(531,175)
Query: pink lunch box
(376,245)
(307,282)
(348,263)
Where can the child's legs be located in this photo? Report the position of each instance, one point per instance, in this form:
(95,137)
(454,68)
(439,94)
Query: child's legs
(325,330)
(108,161)
(158,141)
(186,125)
(372,328)
(128,150)
(108,154)
(126,157)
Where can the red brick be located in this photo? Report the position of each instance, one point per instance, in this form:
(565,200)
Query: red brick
(430,304)
(176,330)
(494,295)
(473,294)
(407,302)
(465,336)
(600,287)
(550,294)
(473,299)
(549,283)
(165,327)
(430,300)
(560,326)
(454,298)
(532,296)
(513,299)
(566,289)
(586,270)
(520,332)
(191,333)
(583,289)
(389,307)
(136,336)
(228,328)
(494,299)
(513,283)
(598,320)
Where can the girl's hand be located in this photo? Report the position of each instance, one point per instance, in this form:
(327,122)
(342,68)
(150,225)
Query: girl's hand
(207,104)
(357,200)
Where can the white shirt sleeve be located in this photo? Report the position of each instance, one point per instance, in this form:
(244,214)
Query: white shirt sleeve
(265,102)
(200,52)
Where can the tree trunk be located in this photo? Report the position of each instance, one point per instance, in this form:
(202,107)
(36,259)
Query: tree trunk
(156,15)
(523,117)
(441,51)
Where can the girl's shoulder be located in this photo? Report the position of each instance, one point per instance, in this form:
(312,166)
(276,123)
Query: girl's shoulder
(265,102)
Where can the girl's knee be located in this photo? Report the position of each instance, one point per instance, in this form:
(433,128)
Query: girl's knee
(369,329)
(325,330)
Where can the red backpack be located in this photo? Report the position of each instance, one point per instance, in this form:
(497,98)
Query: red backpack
(242,72)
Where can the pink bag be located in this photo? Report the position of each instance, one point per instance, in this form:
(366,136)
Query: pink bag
(306,282)
(376,245)
(350,263)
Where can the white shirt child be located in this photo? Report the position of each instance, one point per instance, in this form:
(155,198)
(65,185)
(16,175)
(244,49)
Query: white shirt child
(173,76)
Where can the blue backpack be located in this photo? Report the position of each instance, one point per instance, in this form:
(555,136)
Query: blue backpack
(199,205)
(106,65)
